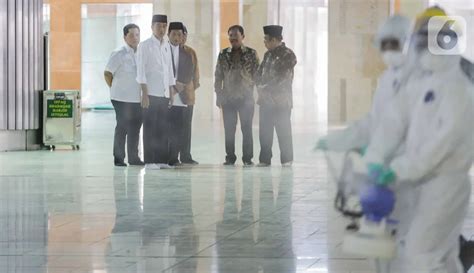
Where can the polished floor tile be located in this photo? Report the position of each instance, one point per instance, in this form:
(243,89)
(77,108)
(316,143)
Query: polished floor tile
(74,212)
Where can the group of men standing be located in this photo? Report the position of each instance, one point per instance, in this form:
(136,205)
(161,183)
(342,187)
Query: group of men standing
(238,72)
(154,82)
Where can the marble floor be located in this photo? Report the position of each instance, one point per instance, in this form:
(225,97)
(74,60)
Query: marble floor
(74,212)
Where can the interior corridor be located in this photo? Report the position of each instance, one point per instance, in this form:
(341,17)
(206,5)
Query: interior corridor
(72,211)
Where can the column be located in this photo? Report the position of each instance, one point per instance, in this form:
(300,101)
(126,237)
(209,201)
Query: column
(229,15)
(65,44)
(21,63)
(21,72)
(353,72)
(201,18)
(254,18)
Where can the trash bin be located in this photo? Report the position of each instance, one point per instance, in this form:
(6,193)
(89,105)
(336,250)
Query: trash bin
(62,118)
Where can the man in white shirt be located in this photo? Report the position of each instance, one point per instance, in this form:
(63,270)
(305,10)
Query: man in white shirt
(183,71)
(120,74)
(155,76)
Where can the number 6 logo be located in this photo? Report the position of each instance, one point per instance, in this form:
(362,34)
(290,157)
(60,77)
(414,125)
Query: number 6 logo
(446,35)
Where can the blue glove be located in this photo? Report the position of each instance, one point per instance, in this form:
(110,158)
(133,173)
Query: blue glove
(377,202)
(380,175)
(322,145)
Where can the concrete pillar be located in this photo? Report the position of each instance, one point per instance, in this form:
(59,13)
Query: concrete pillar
(21,73)
(354,64)
(200,18)
(65,44)
(229,15)
(254,17)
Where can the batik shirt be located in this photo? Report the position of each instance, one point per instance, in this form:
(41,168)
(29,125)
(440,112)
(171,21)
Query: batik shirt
(235,75)
(275,77)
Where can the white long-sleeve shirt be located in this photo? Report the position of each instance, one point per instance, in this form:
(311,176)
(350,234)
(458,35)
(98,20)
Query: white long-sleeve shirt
(154,67)
(175,53)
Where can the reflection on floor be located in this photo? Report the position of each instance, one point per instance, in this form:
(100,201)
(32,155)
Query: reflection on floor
(68,211)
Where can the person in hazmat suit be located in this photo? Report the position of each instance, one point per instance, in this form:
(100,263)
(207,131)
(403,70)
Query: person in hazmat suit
(432,117)
(390,40)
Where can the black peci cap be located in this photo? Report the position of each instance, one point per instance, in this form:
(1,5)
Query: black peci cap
(273,30)
(176,26)
(159,18)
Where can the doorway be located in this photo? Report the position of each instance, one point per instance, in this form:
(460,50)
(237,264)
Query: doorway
(101,34)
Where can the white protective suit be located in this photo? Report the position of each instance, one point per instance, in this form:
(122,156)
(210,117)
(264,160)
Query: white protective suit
(433,116)
(357,135)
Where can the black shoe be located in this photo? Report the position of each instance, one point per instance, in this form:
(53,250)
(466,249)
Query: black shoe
(120,164)
(175,163)
(248,163)
(190,162)
(229,163)
(136,163)
(263,165)
(466,254)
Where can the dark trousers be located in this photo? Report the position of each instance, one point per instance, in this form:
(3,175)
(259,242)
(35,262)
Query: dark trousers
(279,119)
(185,152)
(129,121)
(176,129)
(231,112)
(155,131)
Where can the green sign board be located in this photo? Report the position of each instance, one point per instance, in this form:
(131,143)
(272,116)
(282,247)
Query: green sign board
(59,108)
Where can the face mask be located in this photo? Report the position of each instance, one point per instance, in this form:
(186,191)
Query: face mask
(433,62)
(393,58)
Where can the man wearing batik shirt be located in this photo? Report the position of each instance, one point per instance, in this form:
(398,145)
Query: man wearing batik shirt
(234,87)
(275,97)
